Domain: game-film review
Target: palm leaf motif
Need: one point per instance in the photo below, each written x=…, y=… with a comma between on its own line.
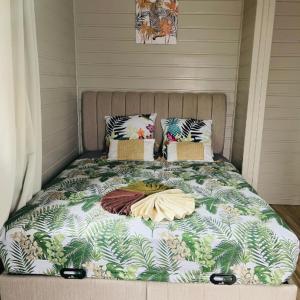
x=269, y=213
x=20, y=217
x=194, y=276
x=56, y=219
x=74, y=227
x=190, y=240
x=46, y=217
x=155, y=274
x=290, y=254
x=235, y=197
x=107, y=175
x=173, y=126
x=116, y=125
x=166, y=258
x=210, y=203
x=193, y=224
x=107, y=186
x=143, y=252
x=89, y=202
x=221, y=229
x=73, y=184
x=20, y=261
x=241, y=231
x=87, y=228
x=42, y=238
x=200, y=179
x=192, y=127
x=150, y=224
x=227, y=254
x=79, y=251
x=180, y=184
x=90, y=228
x=265, y=251
x=114, y=242
x=4, y=257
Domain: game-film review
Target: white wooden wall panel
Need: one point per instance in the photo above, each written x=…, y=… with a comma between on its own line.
x=279, y=174
x=205, y=58
x=56, y=47
x=243, y=82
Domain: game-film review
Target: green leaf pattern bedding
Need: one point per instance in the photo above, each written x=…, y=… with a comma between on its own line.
x=232, y=230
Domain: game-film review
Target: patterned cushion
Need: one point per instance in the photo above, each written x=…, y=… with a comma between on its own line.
x=187, y=130
x=131, y=150
x=130, y=127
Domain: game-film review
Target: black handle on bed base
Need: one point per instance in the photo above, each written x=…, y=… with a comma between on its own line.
x=70, y=273
x=227, y=279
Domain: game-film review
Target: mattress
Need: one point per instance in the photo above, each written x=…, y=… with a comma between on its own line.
x=232, y=231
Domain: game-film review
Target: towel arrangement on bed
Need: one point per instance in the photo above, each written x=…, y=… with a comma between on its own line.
x=149, y=201
x=169, y=204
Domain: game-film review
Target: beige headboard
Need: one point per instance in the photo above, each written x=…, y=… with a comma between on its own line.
x=96, y=105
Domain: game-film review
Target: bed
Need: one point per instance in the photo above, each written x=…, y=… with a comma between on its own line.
x=232, y=231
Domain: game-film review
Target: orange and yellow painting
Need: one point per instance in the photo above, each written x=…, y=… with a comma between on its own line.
x=156, y=21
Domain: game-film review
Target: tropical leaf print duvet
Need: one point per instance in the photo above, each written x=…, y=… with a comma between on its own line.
x=232, y=231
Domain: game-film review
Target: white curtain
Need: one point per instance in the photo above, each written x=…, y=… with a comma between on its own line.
x=20, y=107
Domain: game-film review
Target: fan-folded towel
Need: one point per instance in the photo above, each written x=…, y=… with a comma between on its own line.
x=120, y=201
x=167, y=205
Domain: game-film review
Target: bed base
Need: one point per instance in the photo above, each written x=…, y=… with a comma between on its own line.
x=16, y=287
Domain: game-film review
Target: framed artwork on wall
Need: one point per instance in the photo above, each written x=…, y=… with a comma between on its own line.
x=156, y=21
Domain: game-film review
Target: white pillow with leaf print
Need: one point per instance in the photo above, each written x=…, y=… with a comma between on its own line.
x=130, y=127
x=188, y=130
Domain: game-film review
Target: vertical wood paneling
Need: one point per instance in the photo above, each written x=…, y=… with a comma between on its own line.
x=279, y=173
x=147, y=103
x=175, y=105
x=189, y=109
x=204, y=107
x=118, y=106
x=243, y=82
x=133, y=104
x=56, y=49
x=205, y=58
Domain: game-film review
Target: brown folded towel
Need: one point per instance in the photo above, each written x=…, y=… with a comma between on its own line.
x=120, y=201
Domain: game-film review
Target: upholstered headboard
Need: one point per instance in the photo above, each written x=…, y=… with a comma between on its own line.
x=96, y=105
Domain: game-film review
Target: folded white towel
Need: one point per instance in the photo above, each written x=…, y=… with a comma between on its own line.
x=168, y=205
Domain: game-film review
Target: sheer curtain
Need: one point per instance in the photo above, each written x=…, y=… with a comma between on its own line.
x=20, y=107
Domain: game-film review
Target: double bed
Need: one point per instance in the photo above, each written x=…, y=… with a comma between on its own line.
x=232, y=231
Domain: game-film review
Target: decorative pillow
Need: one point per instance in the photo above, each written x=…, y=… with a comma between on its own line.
x=187, y=130
x=130, y=127
x=190, y=151
x=131, y=150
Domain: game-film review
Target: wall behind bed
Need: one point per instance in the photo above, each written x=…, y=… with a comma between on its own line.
x=56, y=47
x=204, y=59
